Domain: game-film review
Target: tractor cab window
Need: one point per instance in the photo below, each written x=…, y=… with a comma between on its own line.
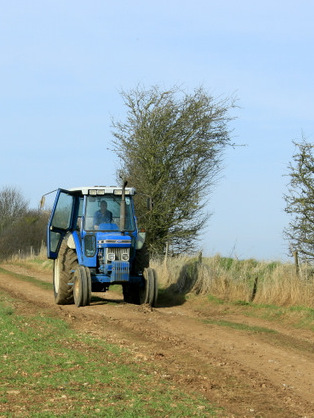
x=63, y=212
x=103, y=213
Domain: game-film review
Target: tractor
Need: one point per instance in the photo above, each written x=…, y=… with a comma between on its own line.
x=94, y=242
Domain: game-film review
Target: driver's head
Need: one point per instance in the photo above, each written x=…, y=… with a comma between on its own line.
x=103, y=205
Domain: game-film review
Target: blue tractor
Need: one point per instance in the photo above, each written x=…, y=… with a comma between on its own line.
x=93, y=238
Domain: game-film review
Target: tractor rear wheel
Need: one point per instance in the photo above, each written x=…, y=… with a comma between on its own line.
x=147, y=292
x=144, y=290
x=131, y=293
x=63, y=268
x=141, y=261
x=155, y=295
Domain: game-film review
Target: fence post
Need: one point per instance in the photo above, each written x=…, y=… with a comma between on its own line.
x=296, y=262
x=254, y=290
x=166, y=252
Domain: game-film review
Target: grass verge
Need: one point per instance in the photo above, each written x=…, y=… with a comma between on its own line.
x=49, y=370
x=240, y=326
x=231, y=280
x=30, y=279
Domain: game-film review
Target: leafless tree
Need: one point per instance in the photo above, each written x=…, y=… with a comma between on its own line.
x=12, y=206
x=21, y=228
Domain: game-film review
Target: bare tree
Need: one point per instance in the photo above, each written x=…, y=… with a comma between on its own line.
x=12, y=206
x=171, y=146
x=21, y=229
x=27, y=234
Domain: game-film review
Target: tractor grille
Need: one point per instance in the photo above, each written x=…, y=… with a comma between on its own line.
x=120, y=271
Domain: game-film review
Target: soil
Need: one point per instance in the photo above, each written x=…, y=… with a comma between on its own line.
x=245, y=371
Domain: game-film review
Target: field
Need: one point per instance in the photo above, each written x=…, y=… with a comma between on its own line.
x=228, y=338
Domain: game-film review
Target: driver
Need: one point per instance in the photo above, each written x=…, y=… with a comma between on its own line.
x=102, y=216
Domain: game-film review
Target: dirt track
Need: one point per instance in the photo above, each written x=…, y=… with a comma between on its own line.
x=249, y=374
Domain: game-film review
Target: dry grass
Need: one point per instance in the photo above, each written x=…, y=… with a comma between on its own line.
x=38, y=261
x=30, y=254
x=237, y=280
x=224, y=278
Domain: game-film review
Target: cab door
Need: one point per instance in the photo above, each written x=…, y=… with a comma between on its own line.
x=60, y=222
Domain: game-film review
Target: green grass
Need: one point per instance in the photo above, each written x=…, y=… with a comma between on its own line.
x=49, y=286
x=49, y=370
x=36, y=261
x=240, y=326
x=215, y=300
x=30, y=279
x=296, y=316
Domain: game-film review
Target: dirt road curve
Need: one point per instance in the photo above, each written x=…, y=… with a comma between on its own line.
x=249, y=374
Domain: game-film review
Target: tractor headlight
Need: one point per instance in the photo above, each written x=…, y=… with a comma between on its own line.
x=111, y=256
x=125, y=256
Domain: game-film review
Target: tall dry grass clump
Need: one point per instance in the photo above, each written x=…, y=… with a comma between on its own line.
x=30, y=254
x=237, y=280
x=39, y=260
x=286, y=288
x=168, y=271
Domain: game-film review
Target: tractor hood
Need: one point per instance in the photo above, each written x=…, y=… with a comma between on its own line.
x=105, y=239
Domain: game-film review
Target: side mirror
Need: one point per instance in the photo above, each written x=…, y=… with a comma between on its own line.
x=42, y=202
x=140, y=240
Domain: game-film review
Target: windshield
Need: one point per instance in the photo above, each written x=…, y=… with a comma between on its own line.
x=103, y=213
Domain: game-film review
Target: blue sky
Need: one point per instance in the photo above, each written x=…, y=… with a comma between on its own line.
x=63, y=64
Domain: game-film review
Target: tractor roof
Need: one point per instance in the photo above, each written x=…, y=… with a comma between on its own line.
x=102, y=190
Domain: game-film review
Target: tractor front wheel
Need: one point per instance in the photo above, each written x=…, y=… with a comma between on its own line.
x=82, y=286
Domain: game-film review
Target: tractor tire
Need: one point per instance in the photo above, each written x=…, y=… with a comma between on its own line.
x=89, y=286
x=155, y=297
x=81, y=286
x=131, y=294
x=144, y=291
x=63, y=268
x=149, y=279
x=147, y=293
x=152, y=282
x=140, y=262
x=136, y=294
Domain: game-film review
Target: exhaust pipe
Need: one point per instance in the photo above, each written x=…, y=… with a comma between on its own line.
x=122, y=208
